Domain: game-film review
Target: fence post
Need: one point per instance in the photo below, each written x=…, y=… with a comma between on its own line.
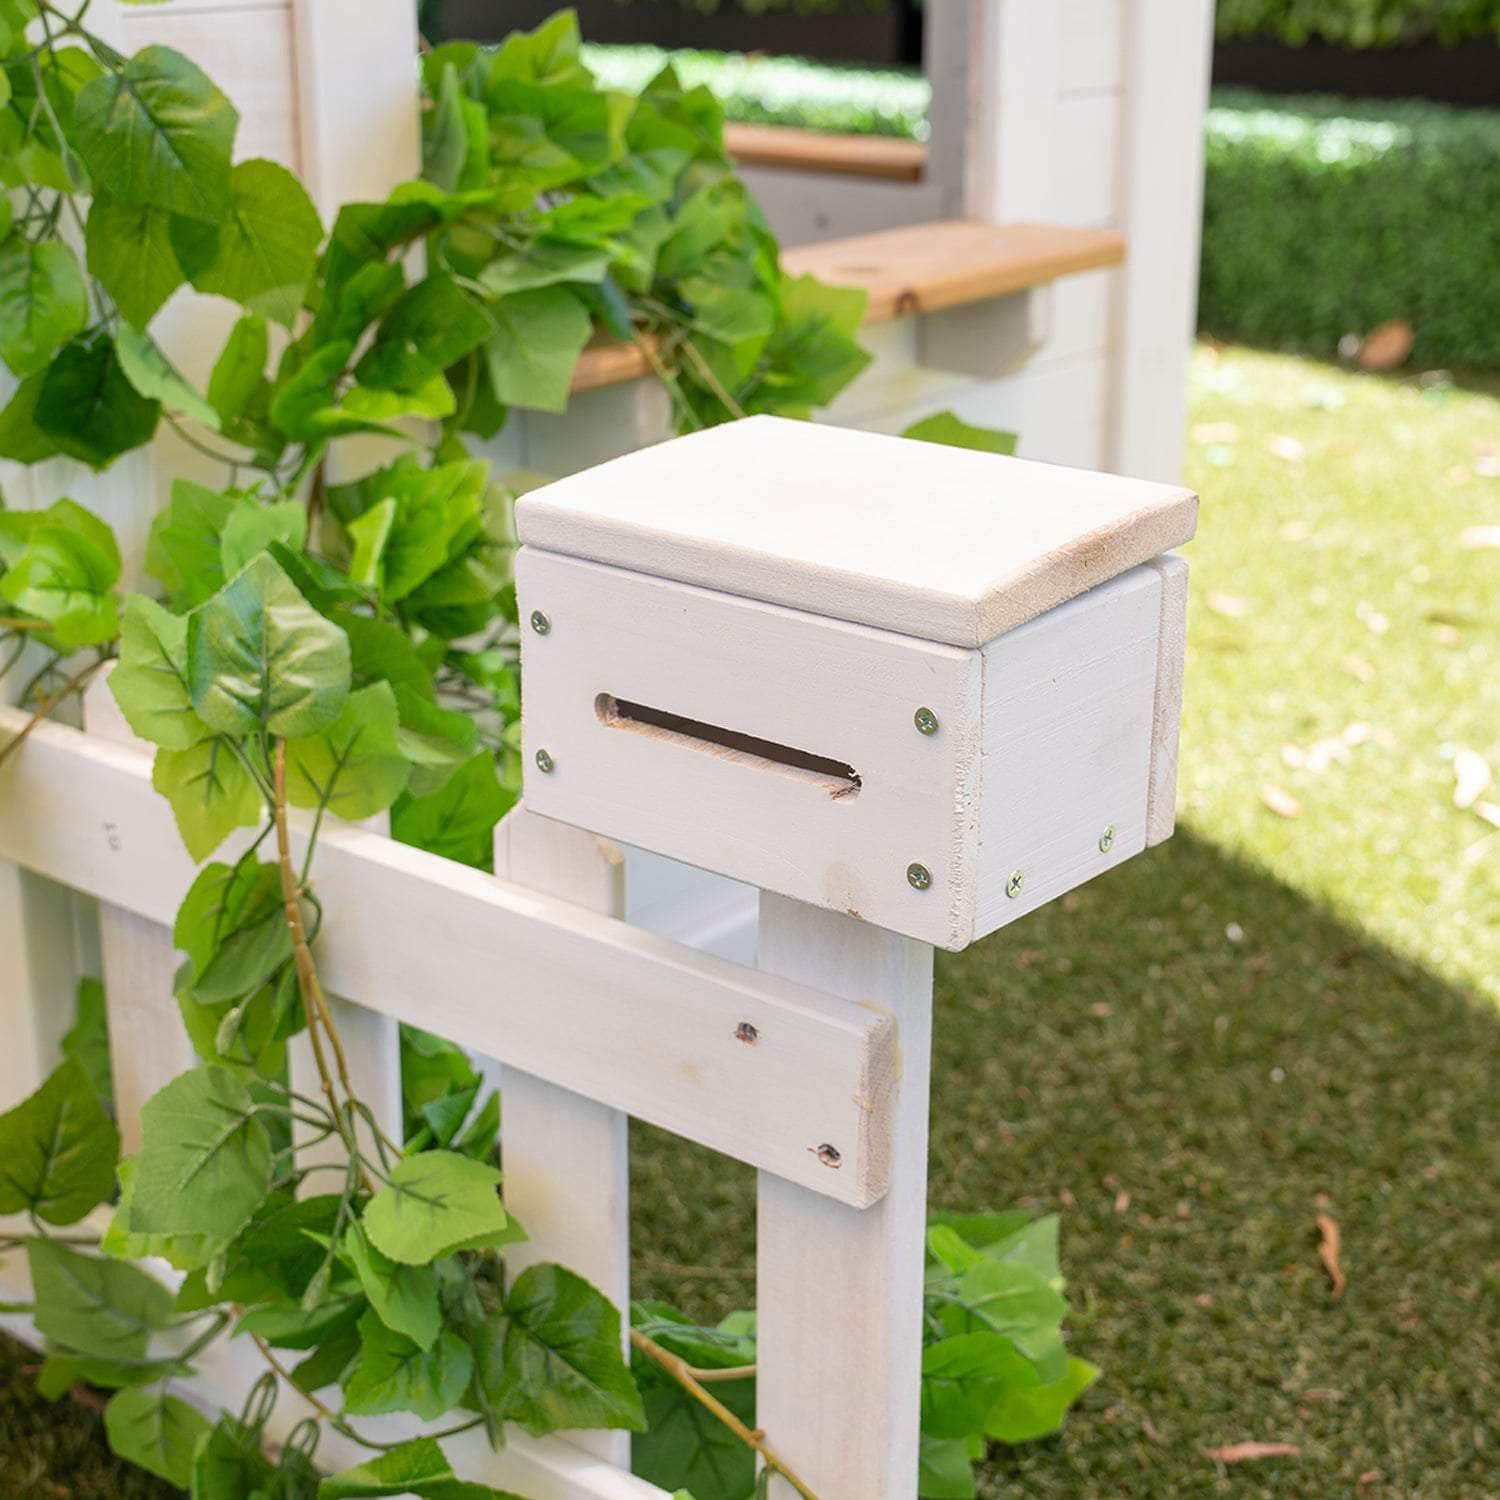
x=839, y=1289
x=566, y=1158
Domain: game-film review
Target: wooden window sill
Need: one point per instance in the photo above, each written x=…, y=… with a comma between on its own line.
x=920, y=269
x=797, y=150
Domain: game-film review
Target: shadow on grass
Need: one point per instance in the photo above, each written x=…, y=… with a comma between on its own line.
x=1190, y=1064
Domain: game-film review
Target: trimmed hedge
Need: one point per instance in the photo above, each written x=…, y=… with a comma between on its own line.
x=783, y=90
x=1324, y=217
x=1359, y=23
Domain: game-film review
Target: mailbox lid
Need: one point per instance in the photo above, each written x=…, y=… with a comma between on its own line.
x=945, y=544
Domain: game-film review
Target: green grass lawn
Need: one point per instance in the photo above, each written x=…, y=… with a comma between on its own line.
x=1268, y=1018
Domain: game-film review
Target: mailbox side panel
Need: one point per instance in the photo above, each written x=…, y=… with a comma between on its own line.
x=712, y=729
x=1070, y=703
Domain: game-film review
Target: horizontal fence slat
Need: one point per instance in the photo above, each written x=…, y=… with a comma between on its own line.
x=621, y=1016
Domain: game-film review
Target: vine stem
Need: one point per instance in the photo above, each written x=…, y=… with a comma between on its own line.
x=75, y=684
x=691, y=1381
x=314, y=1002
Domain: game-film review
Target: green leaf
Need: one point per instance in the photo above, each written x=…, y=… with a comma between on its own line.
x=964, y=1376
x=436, y=741
x=20, y=437
x=434, y=1203
x=261, y=251
x=382, y=652
x=553, y=1360
x=684, y=1445
x=240, y=370
x=949, y=429
x=221, y=901
x=88, y=407
x=354, y=767
x=58, y=1149
x=122, y=1241
x=94, y=1306
x=415, y=1468
x=251, y=528
x=250, y=954
x=42, y=302
x=159, y=132
x=431, y=327
x=87, y=1043
x=150, y=680
x=151, y=374
x=1018, y=1416
x=229, y=1465
x=205, y=1159
x=65, y=573
x=458, y=821
x=545, y=263
x=182, y=551
x=396, y=1374
x=404, y=1297
x=539, y=336
x=261, y=657
x=290, y=1326
x=211, y=793
x=130, y=253
x=156, y=1431
x=945, y=1471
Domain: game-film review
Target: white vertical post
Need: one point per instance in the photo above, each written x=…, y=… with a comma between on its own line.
x=1015, y=71
x=358, y=136
x=566, y=1158
x=1168, y=57
x=147, y=1045
x=839, y=1290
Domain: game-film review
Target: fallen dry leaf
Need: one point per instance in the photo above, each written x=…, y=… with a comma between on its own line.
x=1238, y=1453
x=1229, y=605
x=1287, y=448
x=1358, y=668
x=1122, y=1201
x=1471, y=777
x=1329, y=1244
x=1385, y=347
x=1282, y=803
x=1475, y=537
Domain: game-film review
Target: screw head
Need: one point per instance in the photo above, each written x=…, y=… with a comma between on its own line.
x=1015, y=884
x=919, y=877
x=540, y=623
x=544, y=762
x=925, y=720
x=830, y=1156
x=1107, y=839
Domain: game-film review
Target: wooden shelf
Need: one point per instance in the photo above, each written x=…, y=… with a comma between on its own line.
x=923, y=268
x=819, y=151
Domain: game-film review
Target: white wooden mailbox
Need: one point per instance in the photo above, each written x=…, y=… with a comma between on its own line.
x=928, y=687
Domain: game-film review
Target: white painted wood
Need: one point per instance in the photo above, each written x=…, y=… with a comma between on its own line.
x=1093, y=45
x=709, y=912
x=599, y=425
x=1166, y=718
x=567, y=1158
x=1161, y=196
x=1068, y=708
x=1016, y=69
x=148, y=1047
x=835, y=690
x=623, y=1016
x=1086, y=149
x=839, y=1291
x=986, y=339
x=821, y=519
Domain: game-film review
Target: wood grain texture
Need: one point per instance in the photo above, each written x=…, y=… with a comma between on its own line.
x=1068, y=708
x=840, y=691
x=798, y=150
x=927, y=267
x=1166, y=718
x=622, y=1016
x=941, y=543
x=839, y=1291
x=567, y=1158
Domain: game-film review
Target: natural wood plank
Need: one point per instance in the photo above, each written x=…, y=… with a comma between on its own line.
x=931, y=266
x=839, y=1292
x=796, y=150
x=822, y=519
x=923, y=268
x=625, y=1017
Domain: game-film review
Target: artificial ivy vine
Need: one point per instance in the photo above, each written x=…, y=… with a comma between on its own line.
x=345, y=644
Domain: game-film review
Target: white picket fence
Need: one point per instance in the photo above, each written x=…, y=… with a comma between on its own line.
x=597, y=981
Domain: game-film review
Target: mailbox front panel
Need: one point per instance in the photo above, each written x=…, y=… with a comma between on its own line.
x=826, y=761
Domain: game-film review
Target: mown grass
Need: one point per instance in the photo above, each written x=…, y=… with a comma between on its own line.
x=1265, y=1019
